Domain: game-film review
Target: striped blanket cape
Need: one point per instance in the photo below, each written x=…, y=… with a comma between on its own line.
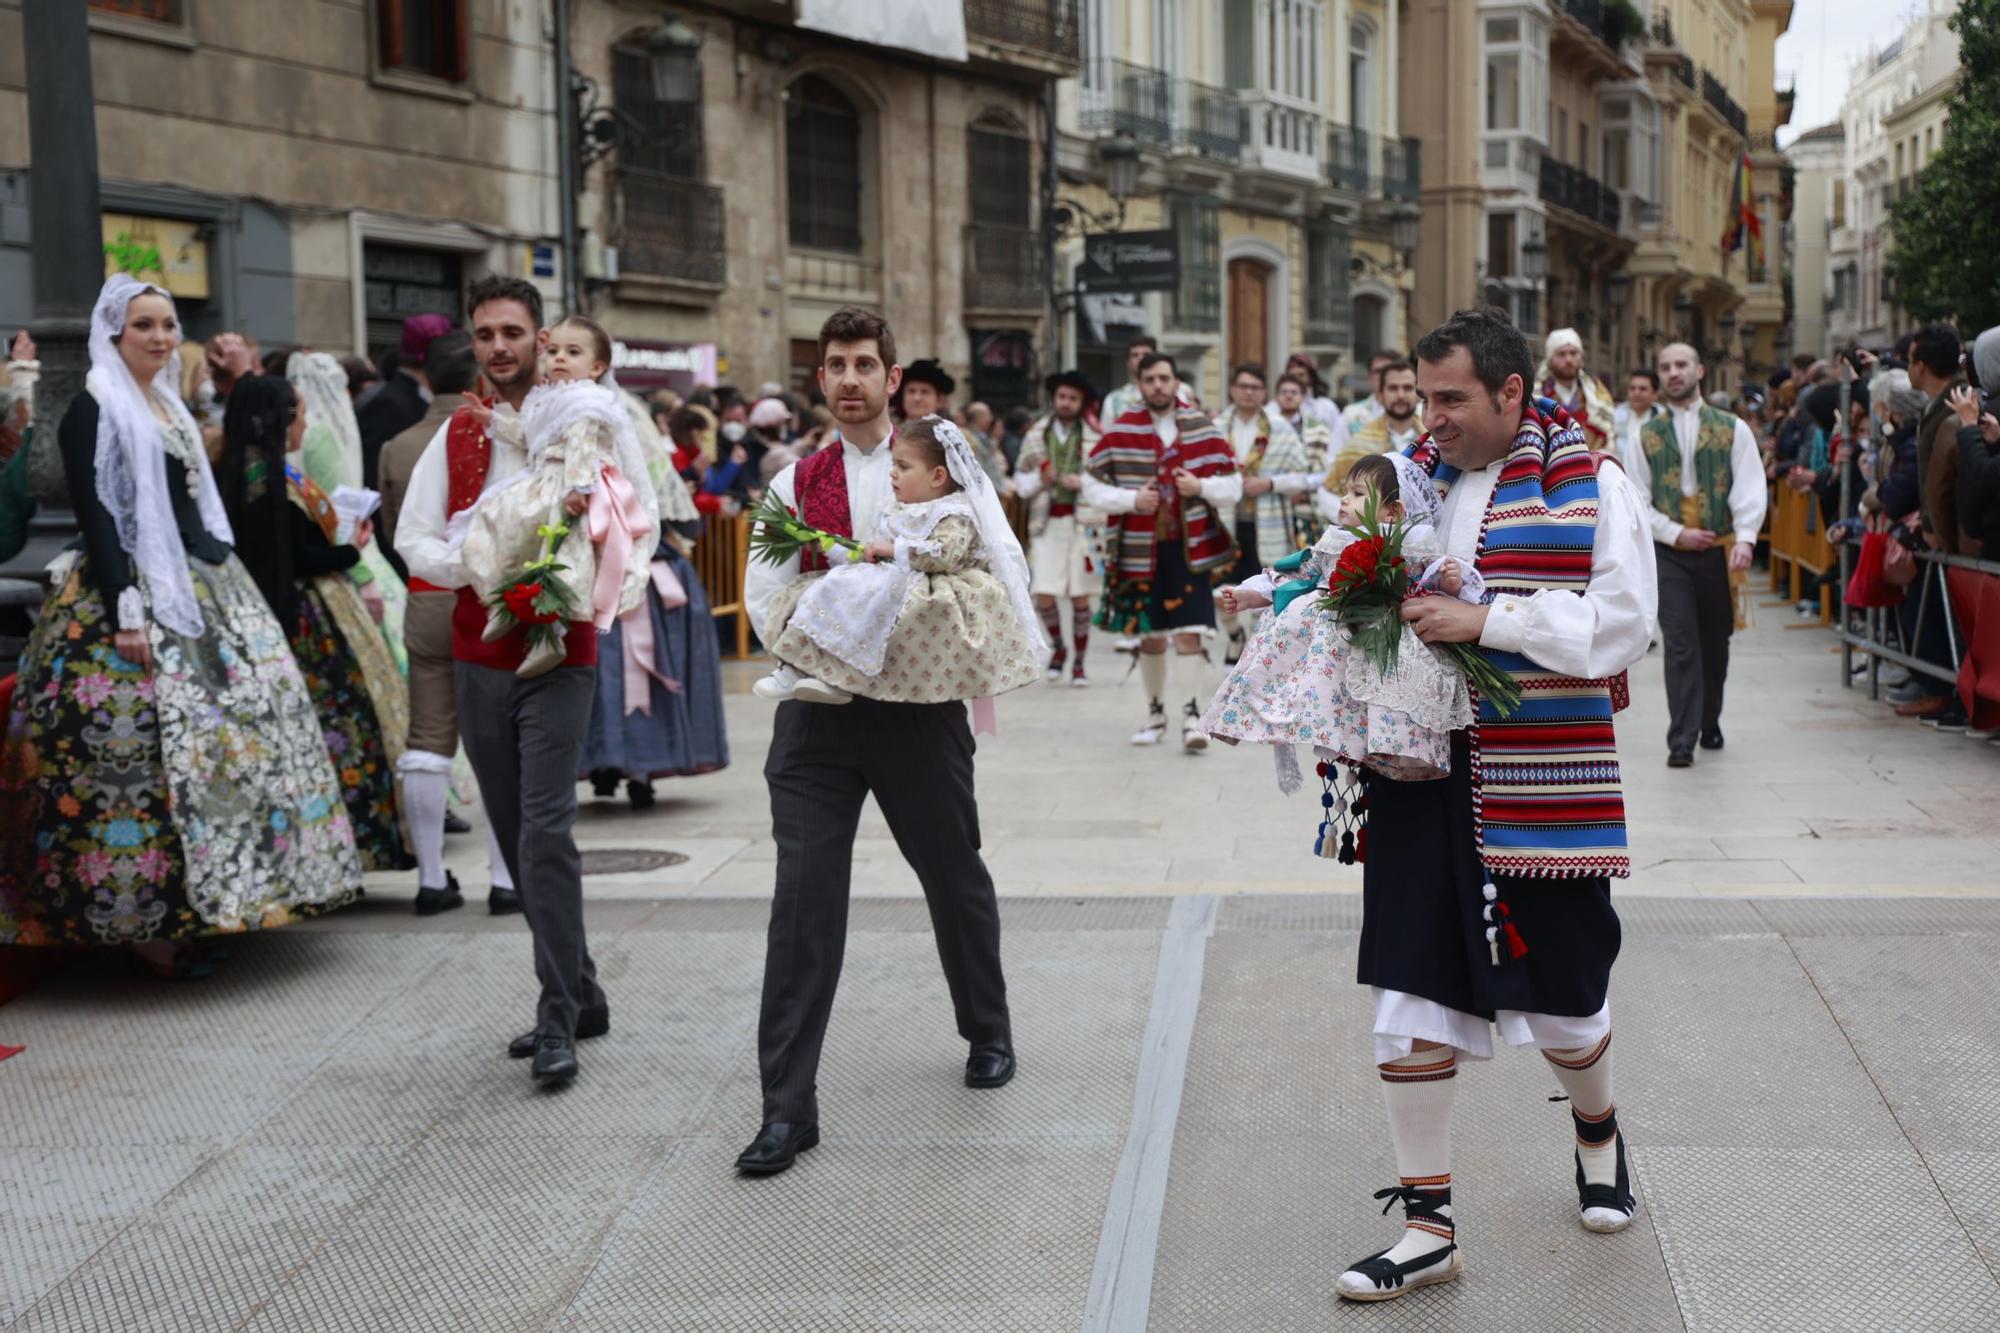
x=1546, y=793
x=1129, y=455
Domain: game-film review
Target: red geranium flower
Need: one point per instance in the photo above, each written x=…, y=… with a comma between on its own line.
x=520, y=601
x=1357, y=564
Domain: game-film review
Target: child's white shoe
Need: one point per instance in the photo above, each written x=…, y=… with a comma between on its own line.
x=542, y=658
x=498, y=625
x=778, y=686
x=813, y=690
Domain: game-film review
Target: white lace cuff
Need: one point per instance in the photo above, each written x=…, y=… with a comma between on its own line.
x=131, y=608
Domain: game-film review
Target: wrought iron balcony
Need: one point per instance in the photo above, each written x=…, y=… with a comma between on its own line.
x=1119, y=97
x=1402, y=169
x=671, y=228
x=1212, y=121
x=1713, y=93
x=1003, y=268
x=1684, y=70
x=1347, y=161
x=1566, y=187
x=1045, y=26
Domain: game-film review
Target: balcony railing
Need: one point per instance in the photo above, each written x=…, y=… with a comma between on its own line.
x=1212, y=121
x=671, y=228
x=1566, y=187
x=1285, y=137
x=830, y=275
x=1347, y=163
x=1713, y=93
x=1684, y=71
x=1048, y=26
x=1119, y=97
x=1612, y=26
x=1646, y=215
x=1003, y=268
x=1402, y=169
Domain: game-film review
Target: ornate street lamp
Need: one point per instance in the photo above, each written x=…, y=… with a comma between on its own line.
x=673, y=51
x=1617, y=291
x=1119, y=155
x=1534, y=259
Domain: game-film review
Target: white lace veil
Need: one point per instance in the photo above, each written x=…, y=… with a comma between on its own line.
x=132, y=463
x=996, y=534
x=553, y=407
x=1416, y=490
x=676, y=505
x=322, y=386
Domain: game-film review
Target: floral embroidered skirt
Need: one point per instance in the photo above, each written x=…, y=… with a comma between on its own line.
x=336, y=646
x=194, y=799
x=1292, y=687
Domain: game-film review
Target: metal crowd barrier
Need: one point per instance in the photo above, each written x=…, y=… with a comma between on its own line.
x=1958, y=590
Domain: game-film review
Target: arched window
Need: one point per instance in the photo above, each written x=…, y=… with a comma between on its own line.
x=670, y=144
x=999, y=159
x=823, y=166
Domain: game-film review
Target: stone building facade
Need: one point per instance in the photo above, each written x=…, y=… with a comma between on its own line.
x=311, y=171
x=811, y=171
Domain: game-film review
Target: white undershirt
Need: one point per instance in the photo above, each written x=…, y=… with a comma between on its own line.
x=1747, y=487
x=1166, y=427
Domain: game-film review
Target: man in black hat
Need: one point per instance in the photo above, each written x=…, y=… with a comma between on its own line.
x=926, y=389
x=1065, y=555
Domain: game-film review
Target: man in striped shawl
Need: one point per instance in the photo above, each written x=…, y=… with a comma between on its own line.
x=1166, y=477
x=1486, y=896
x=1275, y=471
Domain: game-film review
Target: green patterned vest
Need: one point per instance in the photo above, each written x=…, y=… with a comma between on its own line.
x=1713, y=440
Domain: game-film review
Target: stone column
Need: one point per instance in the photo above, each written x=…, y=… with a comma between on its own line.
x=66, y=232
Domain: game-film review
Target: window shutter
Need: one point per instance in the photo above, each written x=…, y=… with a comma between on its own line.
x=458, y=45
x=389, y=32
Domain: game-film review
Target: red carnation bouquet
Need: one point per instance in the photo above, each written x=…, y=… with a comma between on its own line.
x=1365, y=593
x=534, y=599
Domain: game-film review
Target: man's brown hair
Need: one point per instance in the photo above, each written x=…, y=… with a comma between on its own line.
x=852, y=324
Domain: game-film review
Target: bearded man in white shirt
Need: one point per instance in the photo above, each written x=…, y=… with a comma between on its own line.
x=1701, y=467
x=916, y=760
x=1486, y=895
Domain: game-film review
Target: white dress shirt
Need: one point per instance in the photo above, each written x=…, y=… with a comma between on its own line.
x=868, y=494
x=1747, y=493
x=422, y=528
x=1589, y=636
x=1243, y=439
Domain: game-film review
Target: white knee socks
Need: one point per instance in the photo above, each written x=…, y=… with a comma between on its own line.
x=1418, y=1091
x=1153, y=675
x=424, y=796
x=1585, y=1075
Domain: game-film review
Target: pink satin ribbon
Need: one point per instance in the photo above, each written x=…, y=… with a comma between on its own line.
x=985, y=720
x=641, y=664
x=616, y=519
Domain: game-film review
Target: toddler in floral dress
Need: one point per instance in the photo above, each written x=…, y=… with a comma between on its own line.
x=585, y=473
x=1300, y=680
x=937, y=607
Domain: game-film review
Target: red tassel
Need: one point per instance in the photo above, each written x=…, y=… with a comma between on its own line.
x=1516, y=946
x=1361, y=844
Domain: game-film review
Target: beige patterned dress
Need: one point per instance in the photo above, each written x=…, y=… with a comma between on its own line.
x=951, y=635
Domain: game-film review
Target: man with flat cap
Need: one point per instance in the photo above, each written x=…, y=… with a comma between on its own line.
x=926, y=389
x=1065, y=555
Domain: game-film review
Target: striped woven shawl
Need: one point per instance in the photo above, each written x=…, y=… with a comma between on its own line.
x=1546, y=797
x=1130, y=455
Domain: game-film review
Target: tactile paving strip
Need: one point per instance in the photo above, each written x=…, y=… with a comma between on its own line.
x=1282, y=1140
x=1809, y=1240
x=1800, y=917
x=1920, y=1010
x=905, y=914
x=857, y=1236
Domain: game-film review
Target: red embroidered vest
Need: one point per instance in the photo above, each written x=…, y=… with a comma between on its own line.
x=468, y=455
x=819, y=489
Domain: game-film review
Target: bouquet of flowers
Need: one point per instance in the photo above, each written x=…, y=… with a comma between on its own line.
x=777, y=534
x=1365, y=593
x=532, y=598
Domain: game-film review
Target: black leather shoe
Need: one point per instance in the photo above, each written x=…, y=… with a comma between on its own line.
x=432, y=901
x=453, y=823
x=639, y=792
x=989, y=1067
x=1680, y=759
x=590, y=1023
x=1712, y=739
x=502, y=902
x=775, y=1148
x=604, y=782
x=555, y=1060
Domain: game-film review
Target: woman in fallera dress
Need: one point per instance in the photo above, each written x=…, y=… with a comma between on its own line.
x=285, y=529
x=163, y=774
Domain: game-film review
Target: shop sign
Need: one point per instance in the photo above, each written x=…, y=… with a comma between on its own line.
x=163, y=250
x=641, y=365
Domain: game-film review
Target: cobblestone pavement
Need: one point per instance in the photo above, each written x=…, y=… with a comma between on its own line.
x=327, y=1135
